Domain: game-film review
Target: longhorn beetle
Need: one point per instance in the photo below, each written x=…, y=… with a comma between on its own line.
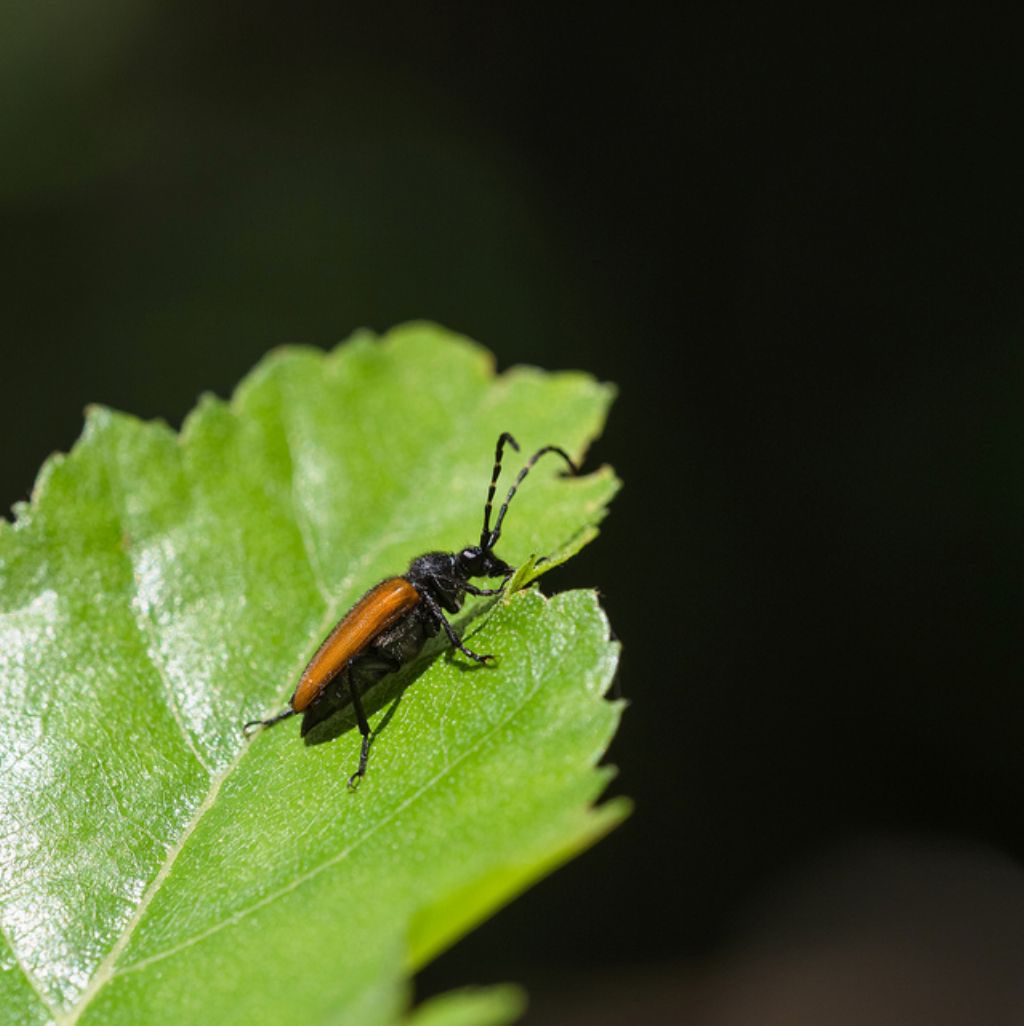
x=391, y=623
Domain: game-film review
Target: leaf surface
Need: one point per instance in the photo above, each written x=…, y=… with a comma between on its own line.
x=160, y=590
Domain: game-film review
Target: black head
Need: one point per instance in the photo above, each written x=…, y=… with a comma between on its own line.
x=478, y=562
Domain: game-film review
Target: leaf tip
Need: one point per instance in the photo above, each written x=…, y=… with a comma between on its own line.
x=495, y=1005
x=427, y=333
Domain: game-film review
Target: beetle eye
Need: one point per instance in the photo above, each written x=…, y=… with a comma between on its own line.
x=468, y=554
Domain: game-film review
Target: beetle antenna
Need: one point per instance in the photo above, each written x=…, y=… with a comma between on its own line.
x=491, y=540
x=499, y=449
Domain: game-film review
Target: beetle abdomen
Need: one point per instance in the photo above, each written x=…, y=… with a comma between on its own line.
x=374, y=613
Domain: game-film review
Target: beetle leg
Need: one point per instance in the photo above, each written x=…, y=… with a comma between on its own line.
x=364, y=729
x=473, y=590
x=268, y=723
x=438, y=615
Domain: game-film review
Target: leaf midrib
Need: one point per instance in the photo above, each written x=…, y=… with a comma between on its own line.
x=29, y=977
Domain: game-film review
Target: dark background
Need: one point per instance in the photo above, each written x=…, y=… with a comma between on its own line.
x=796, y=242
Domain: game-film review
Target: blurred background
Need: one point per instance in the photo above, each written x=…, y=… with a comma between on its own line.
x=795, y=239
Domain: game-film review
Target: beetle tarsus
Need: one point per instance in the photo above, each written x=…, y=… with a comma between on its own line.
x=364, y=755
x=475, y=656
x=473, y=590
x=364, y=730
x=283, y=715
x=457, y=643
x=453, y=636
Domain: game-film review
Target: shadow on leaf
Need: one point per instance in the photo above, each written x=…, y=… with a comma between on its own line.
x=332, y=715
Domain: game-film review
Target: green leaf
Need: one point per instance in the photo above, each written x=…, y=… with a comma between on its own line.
x=161, y=590
x=472, y=1006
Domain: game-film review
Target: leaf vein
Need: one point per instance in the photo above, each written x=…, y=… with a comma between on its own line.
x=30, y=978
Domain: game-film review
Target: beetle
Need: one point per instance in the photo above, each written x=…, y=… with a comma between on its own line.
x=390, y=624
